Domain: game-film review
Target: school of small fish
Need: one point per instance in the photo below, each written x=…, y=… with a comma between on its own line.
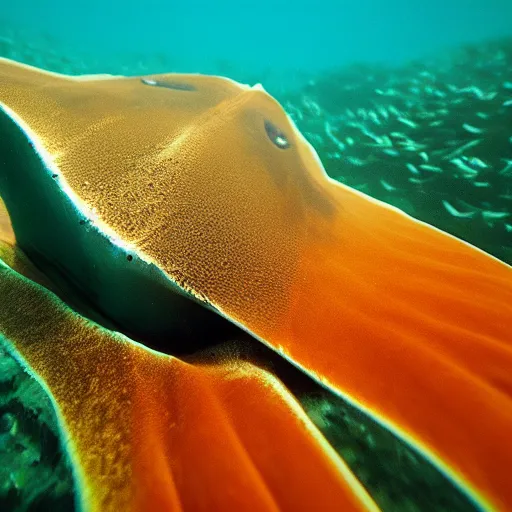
x=434, y=139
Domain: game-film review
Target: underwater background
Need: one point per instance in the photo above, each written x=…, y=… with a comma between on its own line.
x=407, y=101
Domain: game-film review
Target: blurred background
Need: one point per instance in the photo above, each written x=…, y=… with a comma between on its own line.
x=264, y=37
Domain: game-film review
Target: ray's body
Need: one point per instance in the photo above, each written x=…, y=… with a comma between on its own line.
x=200, y=188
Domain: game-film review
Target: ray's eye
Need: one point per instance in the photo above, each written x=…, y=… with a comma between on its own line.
x=276, y=136
x=168, y=84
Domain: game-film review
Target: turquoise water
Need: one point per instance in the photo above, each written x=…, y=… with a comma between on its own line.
x=299, y=37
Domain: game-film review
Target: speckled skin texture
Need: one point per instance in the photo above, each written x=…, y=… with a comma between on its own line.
x=168, y=173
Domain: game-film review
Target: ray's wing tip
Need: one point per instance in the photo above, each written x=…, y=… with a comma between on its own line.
x=12, y=64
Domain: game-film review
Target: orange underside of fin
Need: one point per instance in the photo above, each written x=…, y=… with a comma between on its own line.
x=232, y=440
x=150, y=432
x=414, y=326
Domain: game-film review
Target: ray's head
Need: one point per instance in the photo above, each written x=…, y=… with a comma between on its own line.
x=239, y=181
x=205, y=178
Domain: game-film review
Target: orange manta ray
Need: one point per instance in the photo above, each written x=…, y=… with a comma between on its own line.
x=174, y=202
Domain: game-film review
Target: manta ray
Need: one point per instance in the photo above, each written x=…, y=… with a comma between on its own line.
x=147, y=220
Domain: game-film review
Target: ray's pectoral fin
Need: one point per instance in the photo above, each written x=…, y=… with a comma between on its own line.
x=412, y=326
x=6, y=231
x=147, y=431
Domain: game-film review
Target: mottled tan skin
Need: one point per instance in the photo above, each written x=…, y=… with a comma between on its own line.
x=166, y=171
x=411, y=324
